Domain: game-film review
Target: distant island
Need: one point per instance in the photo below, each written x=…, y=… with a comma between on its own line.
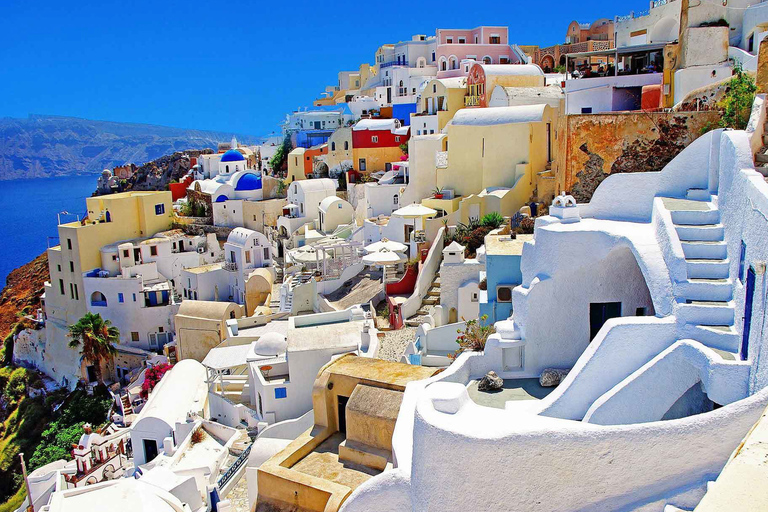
x=45, y=146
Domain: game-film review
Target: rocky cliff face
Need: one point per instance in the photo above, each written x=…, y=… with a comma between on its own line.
x=44, y=146
x=22, y=292
x=157, y=174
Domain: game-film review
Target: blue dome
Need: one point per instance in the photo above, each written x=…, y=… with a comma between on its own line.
x=222, y=198
x=232, y=156
x=248, y=181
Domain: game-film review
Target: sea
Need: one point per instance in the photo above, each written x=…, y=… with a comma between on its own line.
x=31, y=215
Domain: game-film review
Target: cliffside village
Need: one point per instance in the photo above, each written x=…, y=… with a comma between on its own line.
x=471, y=276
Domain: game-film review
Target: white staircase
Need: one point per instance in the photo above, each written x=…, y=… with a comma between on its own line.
x=705, y=307
x=286, y=294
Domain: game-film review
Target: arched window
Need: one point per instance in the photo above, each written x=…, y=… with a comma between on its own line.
x=454, y=62
x=333, y=146
x=98, y=300
x=487, y=59
x=227, y=168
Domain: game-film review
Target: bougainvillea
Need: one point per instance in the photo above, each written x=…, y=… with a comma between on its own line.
x=152, y=376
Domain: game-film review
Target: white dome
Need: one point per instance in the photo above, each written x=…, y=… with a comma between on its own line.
x=270, y=344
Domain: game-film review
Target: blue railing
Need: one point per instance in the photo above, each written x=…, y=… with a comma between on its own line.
x=414, y=359
x=227, y=476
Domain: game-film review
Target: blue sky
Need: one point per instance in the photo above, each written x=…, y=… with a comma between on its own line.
x=230, y=66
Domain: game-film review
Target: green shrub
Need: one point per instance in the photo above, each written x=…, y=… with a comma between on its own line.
x=492, y=220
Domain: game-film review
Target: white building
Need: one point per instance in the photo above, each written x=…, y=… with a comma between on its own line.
x=280, y=369
x=247, y=260
x=169, y=414
x=138, y=285
x=304, y=198
x=649, y=295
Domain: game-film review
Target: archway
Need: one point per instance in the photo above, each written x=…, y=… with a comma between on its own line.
x=98, y=299
x=547, y=63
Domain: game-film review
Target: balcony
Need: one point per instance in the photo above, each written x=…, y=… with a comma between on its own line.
x=471, y=101
x=230, y=266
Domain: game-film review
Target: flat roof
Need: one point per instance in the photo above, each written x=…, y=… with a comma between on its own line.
x=203, y=268
x=377, y=370
x=505, y=245
x=340, y=334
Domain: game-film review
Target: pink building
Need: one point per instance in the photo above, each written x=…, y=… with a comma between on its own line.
x=489, y=45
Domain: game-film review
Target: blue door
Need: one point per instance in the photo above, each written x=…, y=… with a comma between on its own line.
x=747, y=313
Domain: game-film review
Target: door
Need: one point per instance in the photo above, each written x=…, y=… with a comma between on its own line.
x=362, y=164
x=342, y=410
x=181, y=245
x=137, y=255
x=91, y=371
x=601, y=312
x=317, y=125
x=549, y=142
x=389, y=95
x=150, y=449
x=748, y=299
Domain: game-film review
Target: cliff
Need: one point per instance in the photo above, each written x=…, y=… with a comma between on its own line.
x=22, y=292
x=45, y=146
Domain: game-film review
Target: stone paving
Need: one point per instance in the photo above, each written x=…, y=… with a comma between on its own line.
x=238, y=496
x=394, y=342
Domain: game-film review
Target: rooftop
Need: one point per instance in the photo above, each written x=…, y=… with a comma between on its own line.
x=499, y=115
x=377, y=370
x=513, y=390
x=202, y=269
x=340, y=334
x=504, y=245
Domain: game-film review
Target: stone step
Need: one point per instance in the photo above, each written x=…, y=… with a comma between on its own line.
x=713, y=250
x=698, y=194
x=434, y=292
x=431, y=301
x=706, y=313
x=705, y=289
x=699, y=232
x=707, y=268
x=422, y=312
x=722, y=337
x=696, y=217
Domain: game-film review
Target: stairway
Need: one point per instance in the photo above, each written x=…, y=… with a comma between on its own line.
x=432, y=298
x=126, y=405
x=286, y=302
x=705, y=307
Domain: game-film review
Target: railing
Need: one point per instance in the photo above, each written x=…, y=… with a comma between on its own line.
x=232, y=470
x=471, y=101
x=230, y=266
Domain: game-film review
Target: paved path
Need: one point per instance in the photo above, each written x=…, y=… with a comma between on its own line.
x=238, y=496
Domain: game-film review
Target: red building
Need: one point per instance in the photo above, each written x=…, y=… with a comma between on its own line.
x=376, y=143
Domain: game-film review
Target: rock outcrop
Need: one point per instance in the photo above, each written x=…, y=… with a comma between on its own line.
x=490, y=382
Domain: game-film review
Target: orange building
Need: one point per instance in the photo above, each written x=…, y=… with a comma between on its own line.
x=580, y=37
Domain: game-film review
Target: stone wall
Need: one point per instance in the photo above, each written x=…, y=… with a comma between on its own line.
x=596, y=145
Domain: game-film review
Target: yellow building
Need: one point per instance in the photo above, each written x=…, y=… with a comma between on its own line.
x=110, y=219
x=355, y=402
x=440, y=100
x=201, y=325
x=493, y=158
x=339, y=156
x=296, y=165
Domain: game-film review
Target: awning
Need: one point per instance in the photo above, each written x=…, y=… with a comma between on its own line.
x=624, y=50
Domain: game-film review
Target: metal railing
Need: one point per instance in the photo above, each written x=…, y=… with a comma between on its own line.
x=232, y=470
x=471, y=101
x=230, y=266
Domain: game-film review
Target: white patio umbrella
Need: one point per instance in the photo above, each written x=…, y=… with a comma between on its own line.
x=308, y=254
x=387, y=244
x=384, y=257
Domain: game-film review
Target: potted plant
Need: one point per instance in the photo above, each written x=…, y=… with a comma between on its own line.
x=438, y=193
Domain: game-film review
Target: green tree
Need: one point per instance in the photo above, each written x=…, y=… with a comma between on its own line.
x=95, y=336
x=280, y=158
x=737, y=103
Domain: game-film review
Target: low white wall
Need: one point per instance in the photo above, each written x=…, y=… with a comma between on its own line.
x=425, y=278
x=690, y=169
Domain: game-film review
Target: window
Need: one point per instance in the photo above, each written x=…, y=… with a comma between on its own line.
x=375, y=139
x=153, y=250
x=474, y=297
x=247, y=256
x=433, y=56
x=185, y=293
x=134, y=336
x=449, y=40
x=397, y=138
x=504, y=60
x=504, y=294
x=346, y=145
x=333, y=146
x=61, y=286
x=494, y=39
x=395, y=199
x=58, y=267
x=71, y=291
x=266, y=253
x=71, y=266
x=69, y=244
x=98, y=299
x=434, y=88
x=742, y=262
x=159, y=209
x=77, y=295
x=586, y=110
x=281, y=393
x=462, y=40
x=126, y=253
x=134, y=297
x=120, y=298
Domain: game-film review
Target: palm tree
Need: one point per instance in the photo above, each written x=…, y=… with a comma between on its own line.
x=96, y=336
